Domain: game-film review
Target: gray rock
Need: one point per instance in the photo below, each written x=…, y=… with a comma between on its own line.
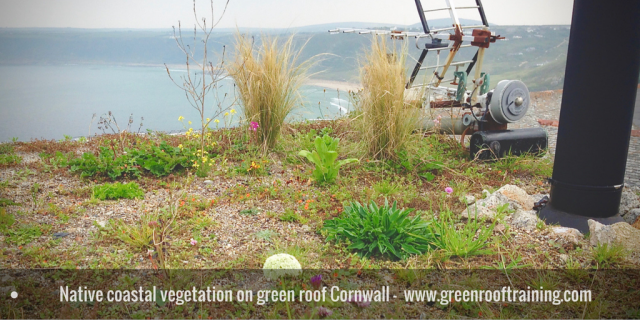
x=632, y=216
x=628, y=202
x=515, y=197
x=7, y=278
x=619, y=233
x=569, y=235
x=525, y=220
x=468, y=199
x=599, y=233
x=59, y=235
x=207, y=182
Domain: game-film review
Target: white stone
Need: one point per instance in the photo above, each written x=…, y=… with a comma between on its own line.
x=619, y=233
x=525, y=219
x=517, y=196
x=101, y=223
x=569, y=235
x=468, y=199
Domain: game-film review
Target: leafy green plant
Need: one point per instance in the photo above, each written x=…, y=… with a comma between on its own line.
x=7, y=155
x=25, y=234
x=159, y=160
x=290, y=216
x=6, y=220
x=324, y=157
x=462, y=242
x=55, y=161
x=106, y=163
x=114, y=191
x=386, y=230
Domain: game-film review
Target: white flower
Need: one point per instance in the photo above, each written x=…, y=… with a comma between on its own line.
x=281, y=264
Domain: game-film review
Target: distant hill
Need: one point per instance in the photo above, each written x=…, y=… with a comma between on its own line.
x=534, y=54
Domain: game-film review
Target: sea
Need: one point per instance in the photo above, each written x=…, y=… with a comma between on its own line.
x=66, y=101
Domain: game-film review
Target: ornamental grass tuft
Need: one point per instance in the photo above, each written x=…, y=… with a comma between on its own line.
x=387, y=120
x=267, y=80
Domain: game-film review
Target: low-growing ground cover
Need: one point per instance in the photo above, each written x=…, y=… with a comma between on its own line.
x=246, y=205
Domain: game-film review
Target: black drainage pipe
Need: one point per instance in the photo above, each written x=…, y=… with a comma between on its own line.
x=601, y=77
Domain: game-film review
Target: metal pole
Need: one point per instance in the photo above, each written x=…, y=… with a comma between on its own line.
x=596, y=113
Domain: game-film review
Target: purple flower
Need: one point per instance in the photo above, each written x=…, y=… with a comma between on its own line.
x=360, y=301
x=254, y=125
x=193, y=242
x=448, y=190
x=316, y=281
x=323, y=312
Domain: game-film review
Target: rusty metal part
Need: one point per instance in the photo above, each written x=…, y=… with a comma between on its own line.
x=445, y=104
x=490, y=124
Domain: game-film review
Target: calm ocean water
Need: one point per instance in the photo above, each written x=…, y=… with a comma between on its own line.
x=53, y=101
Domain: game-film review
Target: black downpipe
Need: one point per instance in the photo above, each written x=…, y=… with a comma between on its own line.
x=473, y=62
x=425, y=25
x=596, y=113
x=482, y=16
x=416, y=69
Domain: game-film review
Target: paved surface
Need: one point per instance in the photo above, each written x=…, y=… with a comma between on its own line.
x=636, y=114
x=546, y=105
x=632, y=175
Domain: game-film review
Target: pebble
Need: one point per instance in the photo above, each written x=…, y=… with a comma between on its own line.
x=59, y=235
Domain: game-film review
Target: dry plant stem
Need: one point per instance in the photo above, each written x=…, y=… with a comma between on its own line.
x=196, y=87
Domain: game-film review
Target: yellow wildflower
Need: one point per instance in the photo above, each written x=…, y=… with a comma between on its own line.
x=233, y=111
x=189, y=122
x=180, y=118
x=208, y=119
x=216, y=121
x=188, y=133
x=180, y=146
x=226, y=113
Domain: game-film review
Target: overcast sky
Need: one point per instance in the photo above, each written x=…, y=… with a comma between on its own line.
x=263, y=13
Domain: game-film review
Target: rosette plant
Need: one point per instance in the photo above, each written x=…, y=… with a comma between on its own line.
x=380, y=230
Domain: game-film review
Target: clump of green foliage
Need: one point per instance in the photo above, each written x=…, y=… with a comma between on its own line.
x=8, y=156
x=25, y=234
x=466, y=241
x=6, y=220
x=115, y=191
x=159, y=160
x=385, y=230
x=324, y=157
x=607, y=255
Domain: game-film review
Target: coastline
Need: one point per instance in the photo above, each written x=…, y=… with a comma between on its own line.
x=335, y=85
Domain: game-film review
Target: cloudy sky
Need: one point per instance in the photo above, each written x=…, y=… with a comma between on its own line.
x=263, y=13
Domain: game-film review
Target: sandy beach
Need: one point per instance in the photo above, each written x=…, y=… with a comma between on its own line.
x=336, y=85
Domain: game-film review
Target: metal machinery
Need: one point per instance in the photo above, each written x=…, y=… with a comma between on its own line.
x=472, y=108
